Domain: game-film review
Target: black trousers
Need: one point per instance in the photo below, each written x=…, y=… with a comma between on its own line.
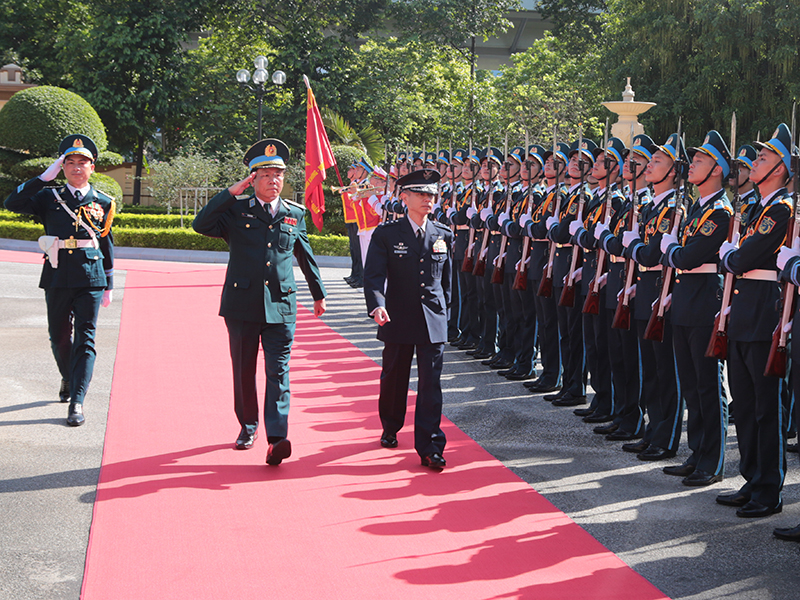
x=521, y=323
x=702, y=384
x=395, y=372
x=454, y=320
x=488, y=311
x=626, y=369
x=660, y=392
x=73, y=311
x=760, y=406
x=595, y=339
x=357, y=264
x=547, y=325
x=573, y=356
x=470, y=319
x=276, y=340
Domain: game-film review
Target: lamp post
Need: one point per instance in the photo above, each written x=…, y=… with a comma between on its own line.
x=260, y=76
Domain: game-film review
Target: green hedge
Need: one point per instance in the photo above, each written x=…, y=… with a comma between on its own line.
x=173, y=238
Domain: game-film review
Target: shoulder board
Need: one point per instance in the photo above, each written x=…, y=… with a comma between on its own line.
x=390, y=223
x=783, y=199
x=440, y=225
x=295, y=204
x=101, y=196
x=722, y=203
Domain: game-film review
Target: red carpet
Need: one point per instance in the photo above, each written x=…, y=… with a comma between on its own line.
x=181, y=515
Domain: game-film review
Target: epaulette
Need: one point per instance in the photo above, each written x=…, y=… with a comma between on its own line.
x=102, y=196
x=440, y=225
x=295, y=204
x=721, y=203
x=388, y=223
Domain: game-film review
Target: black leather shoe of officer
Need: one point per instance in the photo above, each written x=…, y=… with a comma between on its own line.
x=570, y=400
x=278, y=451
x=622, y=436
x=596, y=418
x=63, y=391
x=473, y=350
x=606, y=429
x=490, y=362
x=737, y=498
x=637, y=447
x=388, y=440
x=653, y=453
x=499, y=363
x=540, y=387
x=434, y=461
x=791, y=534
x=75, y=416
x=245, y=440
x=756, y=510
x=557, y=396
x=483, y=355
x=521, y=375
x=583, y=412
x=701, y=478
x=682, y=470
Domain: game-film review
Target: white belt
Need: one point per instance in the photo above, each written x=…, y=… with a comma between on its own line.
x=656, y=268
x=616, y=259
x=71, y=244
x=535, y=241
x=462, y=227
x=706, y=268
x=760, y=275
x=563, y=245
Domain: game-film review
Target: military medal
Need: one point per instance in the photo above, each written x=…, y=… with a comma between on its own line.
x=439, y=247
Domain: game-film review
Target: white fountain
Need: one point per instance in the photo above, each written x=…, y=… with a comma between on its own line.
x=628, y=110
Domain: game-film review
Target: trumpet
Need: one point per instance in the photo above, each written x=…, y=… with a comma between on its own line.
x=349, y=189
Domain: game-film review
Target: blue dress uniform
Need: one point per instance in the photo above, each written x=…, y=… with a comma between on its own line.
x=85, y=266
x=695, y=301
x=259, y=296
x=470, y=322
x=415, y=274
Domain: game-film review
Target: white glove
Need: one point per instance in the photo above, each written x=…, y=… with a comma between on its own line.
x=53, y=170
x=106, y=299
x=667, y=302
x=729, y=246
x=727, y=310
x=503, y=217
x=485, y=213
x=599, y=229
x=524, y=220
x=788, y=327
x=471, y=247
x=574, y=226
x=450, y=212
x=787, y=253
x=551, y=221
x=603, y=280
x=484, y=253
x=471, y=212
x=576, y=275
x=499, y=258
x=632, y=291
x=628, y=237
x=667, y=240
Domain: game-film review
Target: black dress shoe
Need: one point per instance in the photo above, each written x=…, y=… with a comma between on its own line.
x=541, y=388
x=789, y=447
x=683, y=470
x=557, y=396
x=483, y=355
x=63, y=391
x=75, y=415
x=502, y=364
x=583, y=412
x=507, y=372
x=606, y=429
x=791, y=534
x=738, y=498
x=701, y=478
x=434, y=461
x=622, y=436
x=473, y=350
x=278, y=451
x=570, y=400
x=458, y=341
x=653, y=453
x=636, y=447
x=595, y=418
x=349, y=280
x=756, y=510
x=521, y=375
x=488, y=362
x=389, y=440
x=469, y=346
x=245, y=440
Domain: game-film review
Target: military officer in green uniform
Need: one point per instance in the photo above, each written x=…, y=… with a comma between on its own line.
x=77, y=275
x=263, y=232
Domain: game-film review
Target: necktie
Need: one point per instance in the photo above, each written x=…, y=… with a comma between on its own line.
x=77, y=196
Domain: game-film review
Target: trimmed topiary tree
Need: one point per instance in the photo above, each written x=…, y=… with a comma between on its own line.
x=35, y=120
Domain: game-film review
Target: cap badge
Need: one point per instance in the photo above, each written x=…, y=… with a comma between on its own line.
x=742, y=152
x=637, y=142
x=78, y=143
x=427, y=174
x=705, y=141
x=270, y=150
x=584, y=146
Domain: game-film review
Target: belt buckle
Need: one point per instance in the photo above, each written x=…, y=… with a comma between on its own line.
x=71, y=244
x=642, y=268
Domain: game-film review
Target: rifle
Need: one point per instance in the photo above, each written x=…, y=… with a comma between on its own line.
x=480, y=263
x=622, y=314
x=521, y=278
x=468, y=263
x=592, y=304
x=718, y=344
x=499, y=272
x=452, y=198
x=777, y=359
x=655, y=325
x=546, y=284
x=568, y=291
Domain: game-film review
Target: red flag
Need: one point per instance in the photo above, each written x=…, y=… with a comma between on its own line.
x=319, y=157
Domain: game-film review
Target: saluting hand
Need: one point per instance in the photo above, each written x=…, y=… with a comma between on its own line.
x=240, y=187
x=53, y=170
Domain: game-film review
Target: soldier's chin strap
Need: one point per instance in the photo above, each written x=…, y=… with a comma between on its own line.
x=664, y=178
x=771, y=171
x=708, y=175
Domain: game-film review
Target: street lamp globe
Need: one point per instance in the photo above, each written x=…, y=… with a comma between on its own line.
x=260, y=62
x=279, y=78
x=242, y=75
x=260, y=76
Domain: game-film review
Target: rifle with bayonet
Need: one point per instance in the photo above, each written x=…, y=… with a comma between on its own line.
x=718, y=344
x=521, y=277
x=568, y=291
x=480, y=262
x=622, y=314
x=591, y=305
x=546, y=284
x=777, y=358
x=469, y=263
x=499, y=272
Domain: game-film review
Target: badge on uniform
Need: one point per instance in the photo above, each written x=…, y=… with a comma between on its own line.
x=400, y=248
x=573, y=209
x=663, y=226
x=247, y=215
x=252, y=202
x=439, y=247
x=290, y=221
x=708, y=228
x=766, y=226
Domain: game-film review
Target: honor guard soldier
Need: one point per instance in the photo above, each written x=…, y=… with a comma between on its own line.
x=695, y=300
x=263, y=232
x=660, y=392
x=606, y=201
x=407, y=291
x=545, y=204
x=760, y=401
x=368, y=208
x=351, y=224
x=78, y=273
x=573, y=390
